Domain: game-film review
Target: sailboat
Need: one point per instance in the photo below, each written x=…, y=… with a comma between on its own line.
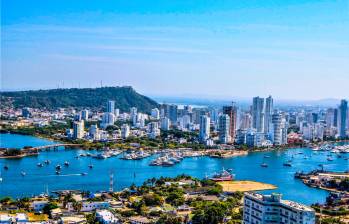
x=90, y=165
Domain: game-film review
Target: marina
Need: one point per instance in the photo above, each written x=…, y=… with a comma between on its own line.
x=89, y=173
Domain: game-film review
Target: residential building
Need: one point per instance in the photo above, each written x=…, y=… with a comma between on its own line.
x=204, y=134
x=266, y=209
x=231, y=111
x=155, y=113
x=269, y=104
x=165, y=123
x=258, y=114
x=125, y=131
x=106, y=217
x=84, y=115
x=111, y=106
x=153, y=130
x=78, y=129
x=107, y=120
x=224, y=128
x=342, y=121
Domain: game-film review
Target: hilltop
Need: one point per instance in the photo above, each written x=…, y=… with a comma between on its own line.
x=125, y=97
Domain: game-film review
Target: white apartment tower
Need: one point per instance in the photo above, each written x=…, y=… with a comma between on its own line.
x=204, y=128
x=266, y=209
x=224, y=128
x=78, y=129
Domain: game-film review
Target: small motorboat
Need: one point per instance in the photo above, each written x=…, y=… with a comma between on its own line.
x=329, y=159
x=58, y=167
x=266, y=156
x=23, y=173
x=90, y=166
x=66, y=163
x=288, y=164
x=58, y=172
x=6, y=167
x=264, y=165
x=83, y=174
x=40, y=165
x=47, y=162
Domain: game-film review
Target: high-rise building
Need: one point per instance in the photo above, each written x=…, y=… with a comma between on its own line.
x=107, y=119
x=204, y=134
x=265, y=209
x=155, y=113
x=153, y=130
x=78, y=129
x=165, y=123
x=246, y=121
x=94, y=132
x=342, y=121
x=258, y=114
x=111, y=106
x=277, y=128
x=133, y=116
x=224, y=128
x=117, y=113
x=329, y=117
x=84, y=115
x=269, y=104
x=231, y=111
x=172, y=114
x=125, y=131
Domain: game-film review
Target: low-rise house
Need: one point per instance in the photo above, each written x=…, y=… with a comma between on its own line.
x=21, y=218
x=106, y=217
x=39, y=205
x=56, y=213
x=87, y=206
x=5, y=218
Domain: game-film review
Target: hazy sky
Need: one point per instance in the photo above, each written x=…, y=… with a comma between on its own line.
x=292, y=49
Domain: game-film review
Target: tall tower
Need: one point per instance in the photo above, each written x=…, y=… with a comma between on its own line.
x=231, y=111
x=224, y=128
x=111, y=106
x=343, y=113
x=204, y=128
x=268, y=113
x=258, y=114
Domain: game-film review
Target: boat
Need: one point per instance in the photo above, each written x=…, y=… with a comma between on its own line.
x=47, y=162
x=40, y=165
x=58, y=167
x=90, y=165
x=266, y=156
x=264, y=165
x=58, y=172
x=288, y=164
x=66, y=163
x=329, y=159
x=83, y=174
x=222, y=176
x=23, y=173
x=6, y=167
x=0, y=177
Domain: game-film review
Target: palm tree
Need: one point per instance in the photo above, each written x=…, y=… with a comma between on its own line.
x=77, y=206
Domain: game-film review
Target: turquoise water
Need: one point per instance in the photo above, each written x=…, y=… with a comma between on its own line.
x=97, y=179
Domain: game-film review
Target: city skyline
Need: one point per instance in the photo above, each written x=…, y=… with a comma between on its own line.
x=292, y=50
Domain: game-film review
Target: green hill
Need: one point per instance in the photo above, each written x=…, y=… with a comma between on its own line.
x=125, y=98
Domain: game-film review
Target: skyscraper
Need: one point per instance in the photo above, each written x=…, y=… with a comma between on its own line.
x=231, y=111
x=224, y=128
x=111, y=106
x=343, y=113
x=204, y=128
x=258, y=114
x=268, y=113
x=78, y=129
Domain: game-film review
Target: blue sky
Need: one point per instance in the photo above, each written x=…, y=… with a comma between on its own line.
x=292, y=49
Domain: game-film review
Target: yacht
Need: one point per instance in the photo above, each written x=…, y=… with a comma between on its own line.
x=222, y=176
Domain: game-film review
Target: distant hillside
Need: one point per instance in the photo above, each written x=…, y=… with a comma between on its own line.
x=125, y=97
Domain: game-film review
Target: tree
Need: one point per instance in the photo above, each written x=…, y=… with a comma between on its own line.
x=77, y=206
x=166, y=219
x=175, y=198
x=212, y=213
x=49, y=206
